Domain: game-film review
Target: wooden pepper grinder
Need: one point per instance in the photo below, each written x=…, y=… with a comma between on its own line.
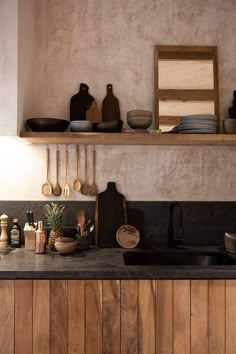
x=3, y=237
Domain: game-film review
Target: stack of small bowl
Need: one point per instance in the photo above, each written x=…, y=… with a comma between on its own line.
x=139, y=119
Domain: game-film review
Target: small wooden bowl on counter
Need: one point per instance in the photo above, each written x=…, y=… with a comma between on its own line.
x=65, y=245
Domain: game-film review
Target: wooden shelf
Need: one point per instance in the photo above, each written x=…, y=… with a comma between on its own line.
x=130, y=139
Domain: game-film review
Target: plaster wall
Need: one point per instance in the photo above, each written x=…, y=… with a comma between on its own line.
x=8, y=67
x=111, y=41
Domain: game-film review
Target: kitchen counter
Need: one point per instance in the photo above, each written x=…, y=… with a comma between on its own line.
x=99, y=264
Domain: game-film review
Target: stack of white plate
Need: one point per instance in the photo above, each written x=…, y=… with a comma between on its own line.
x=198, y=124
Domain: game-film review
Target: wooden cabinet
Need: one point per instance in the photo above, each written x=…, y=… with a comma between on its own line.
x=118, y=317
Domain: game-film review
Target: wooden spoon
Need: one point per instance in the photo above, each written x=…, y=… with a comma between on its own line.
x=47, y=187
x=85, y=188
x=77, y=184
x=66, y=190
x=57, y=188
x=81, y=220
x=94, y=188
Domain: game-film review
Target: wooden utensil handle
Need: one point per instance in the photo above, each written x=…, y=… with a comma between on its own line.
x=47, y=162
x=77, y=161
x=57, y=162
x=85, y=162
x=94, y=164
x=66, y=165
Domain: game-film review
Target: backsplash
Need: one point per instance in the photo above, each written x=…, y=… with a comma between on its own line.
x=204, y=222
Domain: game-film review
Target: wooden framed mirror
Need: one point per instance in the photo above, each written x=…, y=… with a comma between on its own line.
x=186, y=82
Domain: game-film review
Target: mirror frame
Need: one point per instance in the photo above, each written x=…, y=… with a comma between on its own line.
x=184, y=53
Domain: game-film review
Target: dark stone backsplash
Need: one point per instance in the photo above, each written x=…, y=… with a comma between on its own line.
x=204, y=222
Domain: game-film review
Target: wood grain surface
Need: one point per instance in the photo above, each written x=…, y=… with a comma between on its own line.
x=93, y=331
x=76, y=316
x=7, y=316
x=111, y=316
x=41, y=319
x=230, y=317
x=131, y=138
x=117, y=316
x=146, y=321
x=129, y=317
x=58, y=317
x=199, y=316
x=23, y=316
x=181, y=317
x=164, y=316
x=216, y=316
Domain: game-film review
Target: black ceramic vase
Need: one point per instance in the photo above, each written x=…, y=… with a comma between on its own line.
x=80, y=103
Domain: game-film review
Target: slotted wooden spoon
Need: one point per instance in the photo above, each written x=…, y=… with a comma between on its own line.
x=66, y=189
x=47, y=187
x=94, y=188
x=85, y=188
x=77, y=183
x=57, y=188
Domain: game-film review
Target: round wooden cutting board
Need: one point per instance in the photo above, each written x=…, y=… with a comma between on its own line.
x=128, y=236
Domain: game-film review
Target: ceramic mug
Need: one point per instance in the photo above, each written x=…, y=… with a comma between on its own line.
x=230, y=126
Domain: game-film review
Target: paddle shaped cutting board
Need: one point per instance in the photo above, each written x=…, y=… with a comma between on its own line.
x=110, y=106
x=110, y=215
x=93, y=114
x=80, y=103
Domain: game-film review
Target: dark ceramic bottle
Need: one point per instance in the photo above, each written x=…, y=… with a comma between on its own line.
x=80, y=103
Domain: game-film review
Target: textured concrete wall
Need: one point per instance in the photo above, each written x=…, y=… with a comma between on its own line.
x=105, y=41
x=26, y=57
x=8, y=67
x=111, y=41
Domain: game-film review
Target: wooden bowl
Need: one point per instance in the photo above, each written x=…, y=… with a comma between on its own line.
x=65, y=245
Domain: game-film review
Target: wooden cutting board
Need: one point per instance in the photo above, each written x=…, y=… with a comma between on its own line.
x=93, y=114
x=110, y=215
x=80, y=103
x=110, y=106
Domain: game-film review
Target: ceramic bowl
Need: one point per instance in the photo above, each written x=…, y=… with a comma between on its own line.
x=139, y=122
x=65, y=245
x=81, y=126
x=112, y=126
x=47, y=124
x=138, y=113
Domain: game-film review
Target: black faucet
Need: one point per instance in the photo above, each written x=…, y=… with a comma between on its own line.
x=175, y=228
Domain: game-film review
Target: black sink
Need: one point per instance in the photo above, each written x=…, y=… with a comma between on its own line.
x=174, y=258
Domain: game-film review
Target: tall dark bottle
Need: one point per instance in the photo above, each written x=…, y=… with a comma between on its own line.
x=15, y=234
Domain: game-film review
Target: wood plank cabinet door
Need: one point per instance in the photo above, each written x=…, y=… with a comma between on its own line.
x=118, y=316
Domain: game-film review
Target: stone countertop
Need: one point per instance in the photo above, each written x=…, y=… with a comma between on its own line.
x=99, y=264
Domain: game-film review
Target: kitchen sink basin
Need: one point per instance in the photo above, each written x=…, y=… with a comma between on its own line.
x=173, y=258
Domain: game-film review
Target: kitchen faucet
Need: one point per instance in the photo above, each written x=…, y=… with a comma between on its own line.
x=175, y=227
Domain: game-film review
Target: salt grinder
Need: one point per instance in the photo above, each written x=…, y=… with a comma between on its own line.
x=3, y=237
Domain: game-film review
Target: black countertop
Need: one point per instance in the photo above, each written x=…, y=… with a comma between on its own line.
x=99, y=264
